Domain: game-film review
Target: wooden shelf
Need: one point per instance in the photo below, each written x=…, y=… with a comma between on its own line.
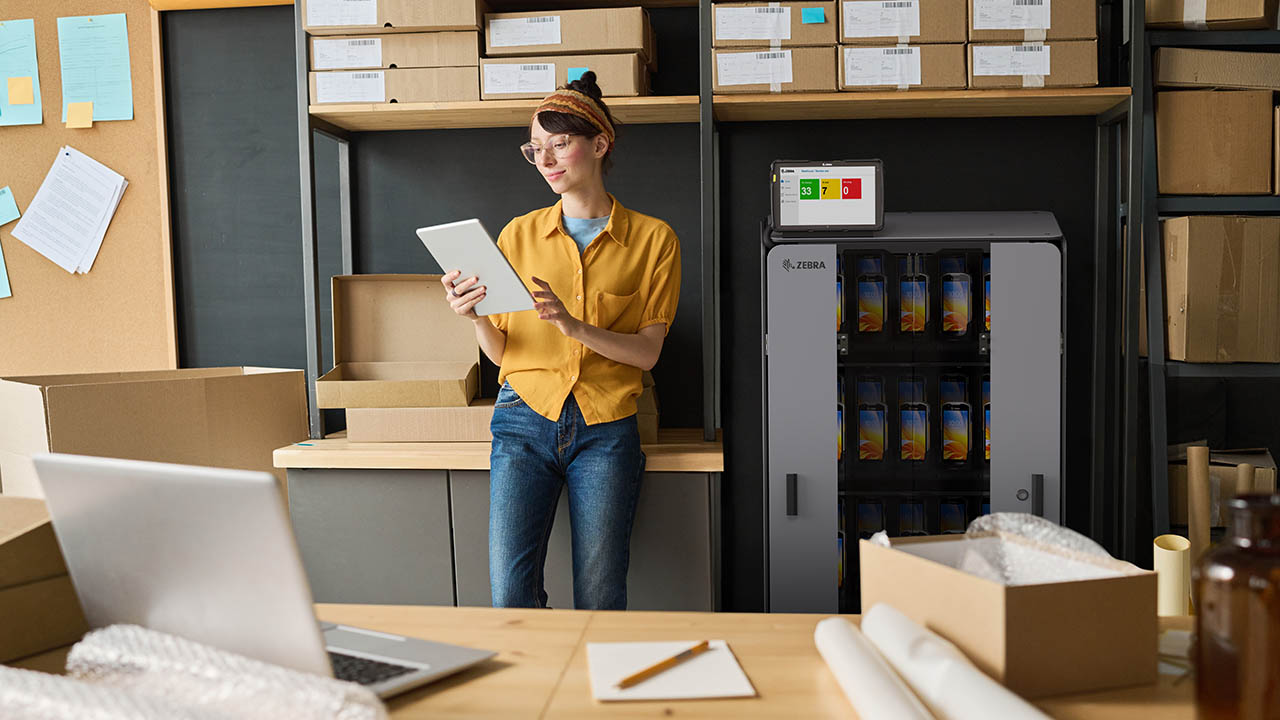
x=918, y=104
x=494, y=113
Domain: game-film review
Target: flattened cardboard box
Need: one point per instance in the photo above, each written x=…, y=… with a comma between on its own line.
x=431, y=424
x=395, y=16
x=1072, y=63
x=1214, y=142
x=231, y=417
x=779, y=24
x=444, y=84
x=1212, y=14
x=398, y=344
x=1222, y=476
x=617, y=75
x=1037, y=640
x=809, y=70
x=1195, y=68
x=38, y=604
x=879, y=22
x=1003, y=21
x=399, y=50
x=569, y=32
x=940, y=67
x=1222, y=280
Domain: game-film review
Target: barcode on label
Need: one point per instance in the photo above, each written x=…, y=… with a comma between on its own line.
x=1028, y=48
x=366, y=76
x=544, y=19
x=770, y=11
x=770, y=56
x=535, y=68
x=1028, y=2
x=899, y=51
x=359, y=43
x=897, y=4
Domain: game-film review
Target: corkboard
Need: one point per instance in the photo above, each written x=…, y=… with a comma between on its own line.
x=207, y=4
x=120, y=315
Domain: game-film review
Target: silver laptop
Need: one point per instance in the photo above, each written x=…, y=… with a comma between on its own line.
x=209, y=555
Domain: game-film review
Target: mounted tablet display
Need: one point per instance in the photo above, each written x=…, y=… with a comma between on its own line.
x=839, y=195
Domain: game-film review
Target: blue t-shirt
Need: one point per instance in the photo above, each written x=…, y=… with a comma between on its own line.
x=584, y=230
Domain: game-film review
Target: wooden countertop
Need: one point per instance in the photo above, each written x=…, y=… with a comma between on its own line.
x=681, y=450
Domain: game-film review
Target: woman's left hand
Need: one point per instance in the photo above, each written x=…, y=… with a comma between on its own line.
x=551, y=309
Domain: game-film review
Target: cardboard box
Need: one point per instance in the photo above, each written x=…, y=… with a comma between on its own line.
x=398, y=344
x=1214, y=15
x=230, y=417
x=779, y=24
x=1222, y=288
x=926, y=67
x=871, y=22
x=1193, y=68
x=1071, y=63
x=571, y=32
x=429, y=424
x=536, y=77
x=1275, y=154
x=401, y=50
x=1222, y=480
x=764, y=71
x=648, y=426
x=37, y=601
x=1037, y=640
x=1214, y=142
x=1032, y=20
x=444, y=84
x=320, y=17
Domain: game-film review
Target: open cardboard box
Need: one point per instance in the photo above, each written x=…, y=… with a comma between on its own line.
x=398, y=344
x=39, y=610
x=1222, y=479
x=1038, y=640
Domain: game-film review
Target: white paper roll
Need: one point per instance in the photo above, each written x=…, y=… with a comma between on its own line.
x=1172, y=560
x=873, y=689
x=940, y=674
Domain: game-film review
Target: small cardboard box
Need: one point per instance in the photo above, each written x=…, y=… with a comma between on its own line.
x=231, y=417
x=1222, y=480
x=399, y=50
x=1212, y=15
x=622, y=75
x=443, y=84
x=779, y=24
x=1222, y=288
x=877, y=22
x=427, y=424
x=37, y=601
x=930, y=67
x=1037, y=640
x=322, y=17
x=1069, y=63
x=1195, y=68
x=398, y=344
x=764, y=71
x=570, y=32
x=1032, y=20
x=1214, y=142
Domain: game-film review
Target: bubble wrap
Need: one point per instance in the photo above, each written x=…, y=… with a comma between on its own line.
x=30, y=695
x=1024, y=549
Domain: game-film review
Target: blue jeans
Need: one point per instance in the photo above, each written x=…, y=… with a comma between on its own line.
x=532, y=459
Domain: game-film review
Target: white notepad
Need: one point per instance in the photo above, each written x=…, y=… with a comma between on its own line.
x=712, y=674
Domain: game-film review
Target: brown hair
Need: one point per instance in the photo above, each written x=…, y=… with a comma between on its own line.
x=557, y=123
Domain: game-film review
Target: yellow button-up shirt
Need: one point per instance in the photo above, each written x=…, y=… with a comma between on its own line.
x=628, y=278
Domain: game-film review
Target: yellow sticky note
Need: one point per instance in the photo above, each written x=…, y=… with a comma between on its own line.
x=80, y=115
x=20, y=92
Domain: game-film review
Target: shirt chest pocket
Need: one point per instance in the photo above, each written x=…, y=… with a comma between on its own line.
x=619, y=313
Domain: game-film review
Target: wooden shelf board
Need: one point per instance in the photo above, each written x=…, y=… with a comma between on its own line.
x=918, y=103
x=494, y=113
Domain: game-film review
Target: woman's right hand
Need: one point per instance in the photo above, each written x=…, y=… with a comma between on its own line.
x=463, y=296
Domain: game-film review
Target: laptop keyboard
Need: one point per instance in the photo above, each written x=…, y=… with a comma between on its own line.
x=363, y=670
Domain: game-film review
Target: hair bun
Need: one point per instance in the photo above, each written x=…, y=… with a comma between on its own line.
x=587, y=85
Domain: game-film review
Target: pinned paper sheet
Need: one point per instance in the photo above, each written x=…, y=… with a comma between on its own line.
x=8, y=206
x=94, y=51
x=20, y=94
x=20, y=91
x=80, y=115
x=712, y=674
x=72, y=239
x=4, y=278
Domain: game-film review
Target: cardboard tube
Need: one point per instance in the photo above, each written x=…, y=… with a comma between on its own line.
x=1244, y=484
x=1172, y=556
x=1198, y=500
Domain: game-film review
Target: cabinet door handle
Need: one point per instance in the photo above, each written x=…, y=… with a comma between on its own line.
x=791, y=494
x=1037, y=494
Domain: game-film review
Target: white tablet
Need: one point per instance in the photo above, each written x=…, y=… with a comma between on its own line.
x=465, y=246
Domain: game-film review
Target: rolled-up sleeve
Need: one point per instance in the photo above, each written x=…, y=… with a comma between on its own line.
x=664, y=285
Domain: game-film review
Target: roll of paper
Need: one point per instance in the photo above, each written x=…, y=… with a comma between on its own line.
x=873, y=689
x=1245, y=474
x=1172, y=556
x=951, y=686
x=1198, y=500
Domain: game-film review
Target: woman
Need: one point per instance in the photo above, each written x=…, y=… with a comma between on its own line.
x=605, y=281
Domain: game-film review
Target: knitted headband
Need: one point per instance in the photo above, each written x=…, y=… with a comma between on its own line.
x=572, y=102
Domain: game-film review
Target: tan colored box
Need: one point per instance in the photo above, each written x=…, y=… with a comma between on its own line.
x=1216, y=15
x=1194, y=68
x=230, y=417
x=1003, y=21
x=444, y=84
x=569, y=32
x=37, y=601
x=399, y=50
x=648, y=426
x=780, y=24
x=398, y=344
x=809, y=69
x=1214, y=142
x=1072, y=63
x=923, y=67
x=427, y=424
x=870, y=22
x=530, y=77
x=1275, y=154
x=1222, y=480
x=394, y=16
x=1037, y=640
x=1222, y=285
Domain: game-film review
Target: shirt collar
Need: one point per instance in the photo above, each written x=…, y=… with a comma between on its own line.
x=616, y=229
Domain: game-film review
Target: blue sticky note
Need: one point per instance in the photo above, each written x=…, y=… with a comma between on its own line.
x=94, y=50
x=576, y=73
x=8, y=206
x=809, y=16
x=18, y=59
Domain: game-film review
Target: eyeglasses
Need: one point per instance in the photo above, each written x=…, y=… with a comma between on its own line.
x=556, y=145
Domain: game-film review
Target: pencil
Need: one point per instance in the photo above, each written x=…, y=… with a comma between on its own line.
x=662, y=666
